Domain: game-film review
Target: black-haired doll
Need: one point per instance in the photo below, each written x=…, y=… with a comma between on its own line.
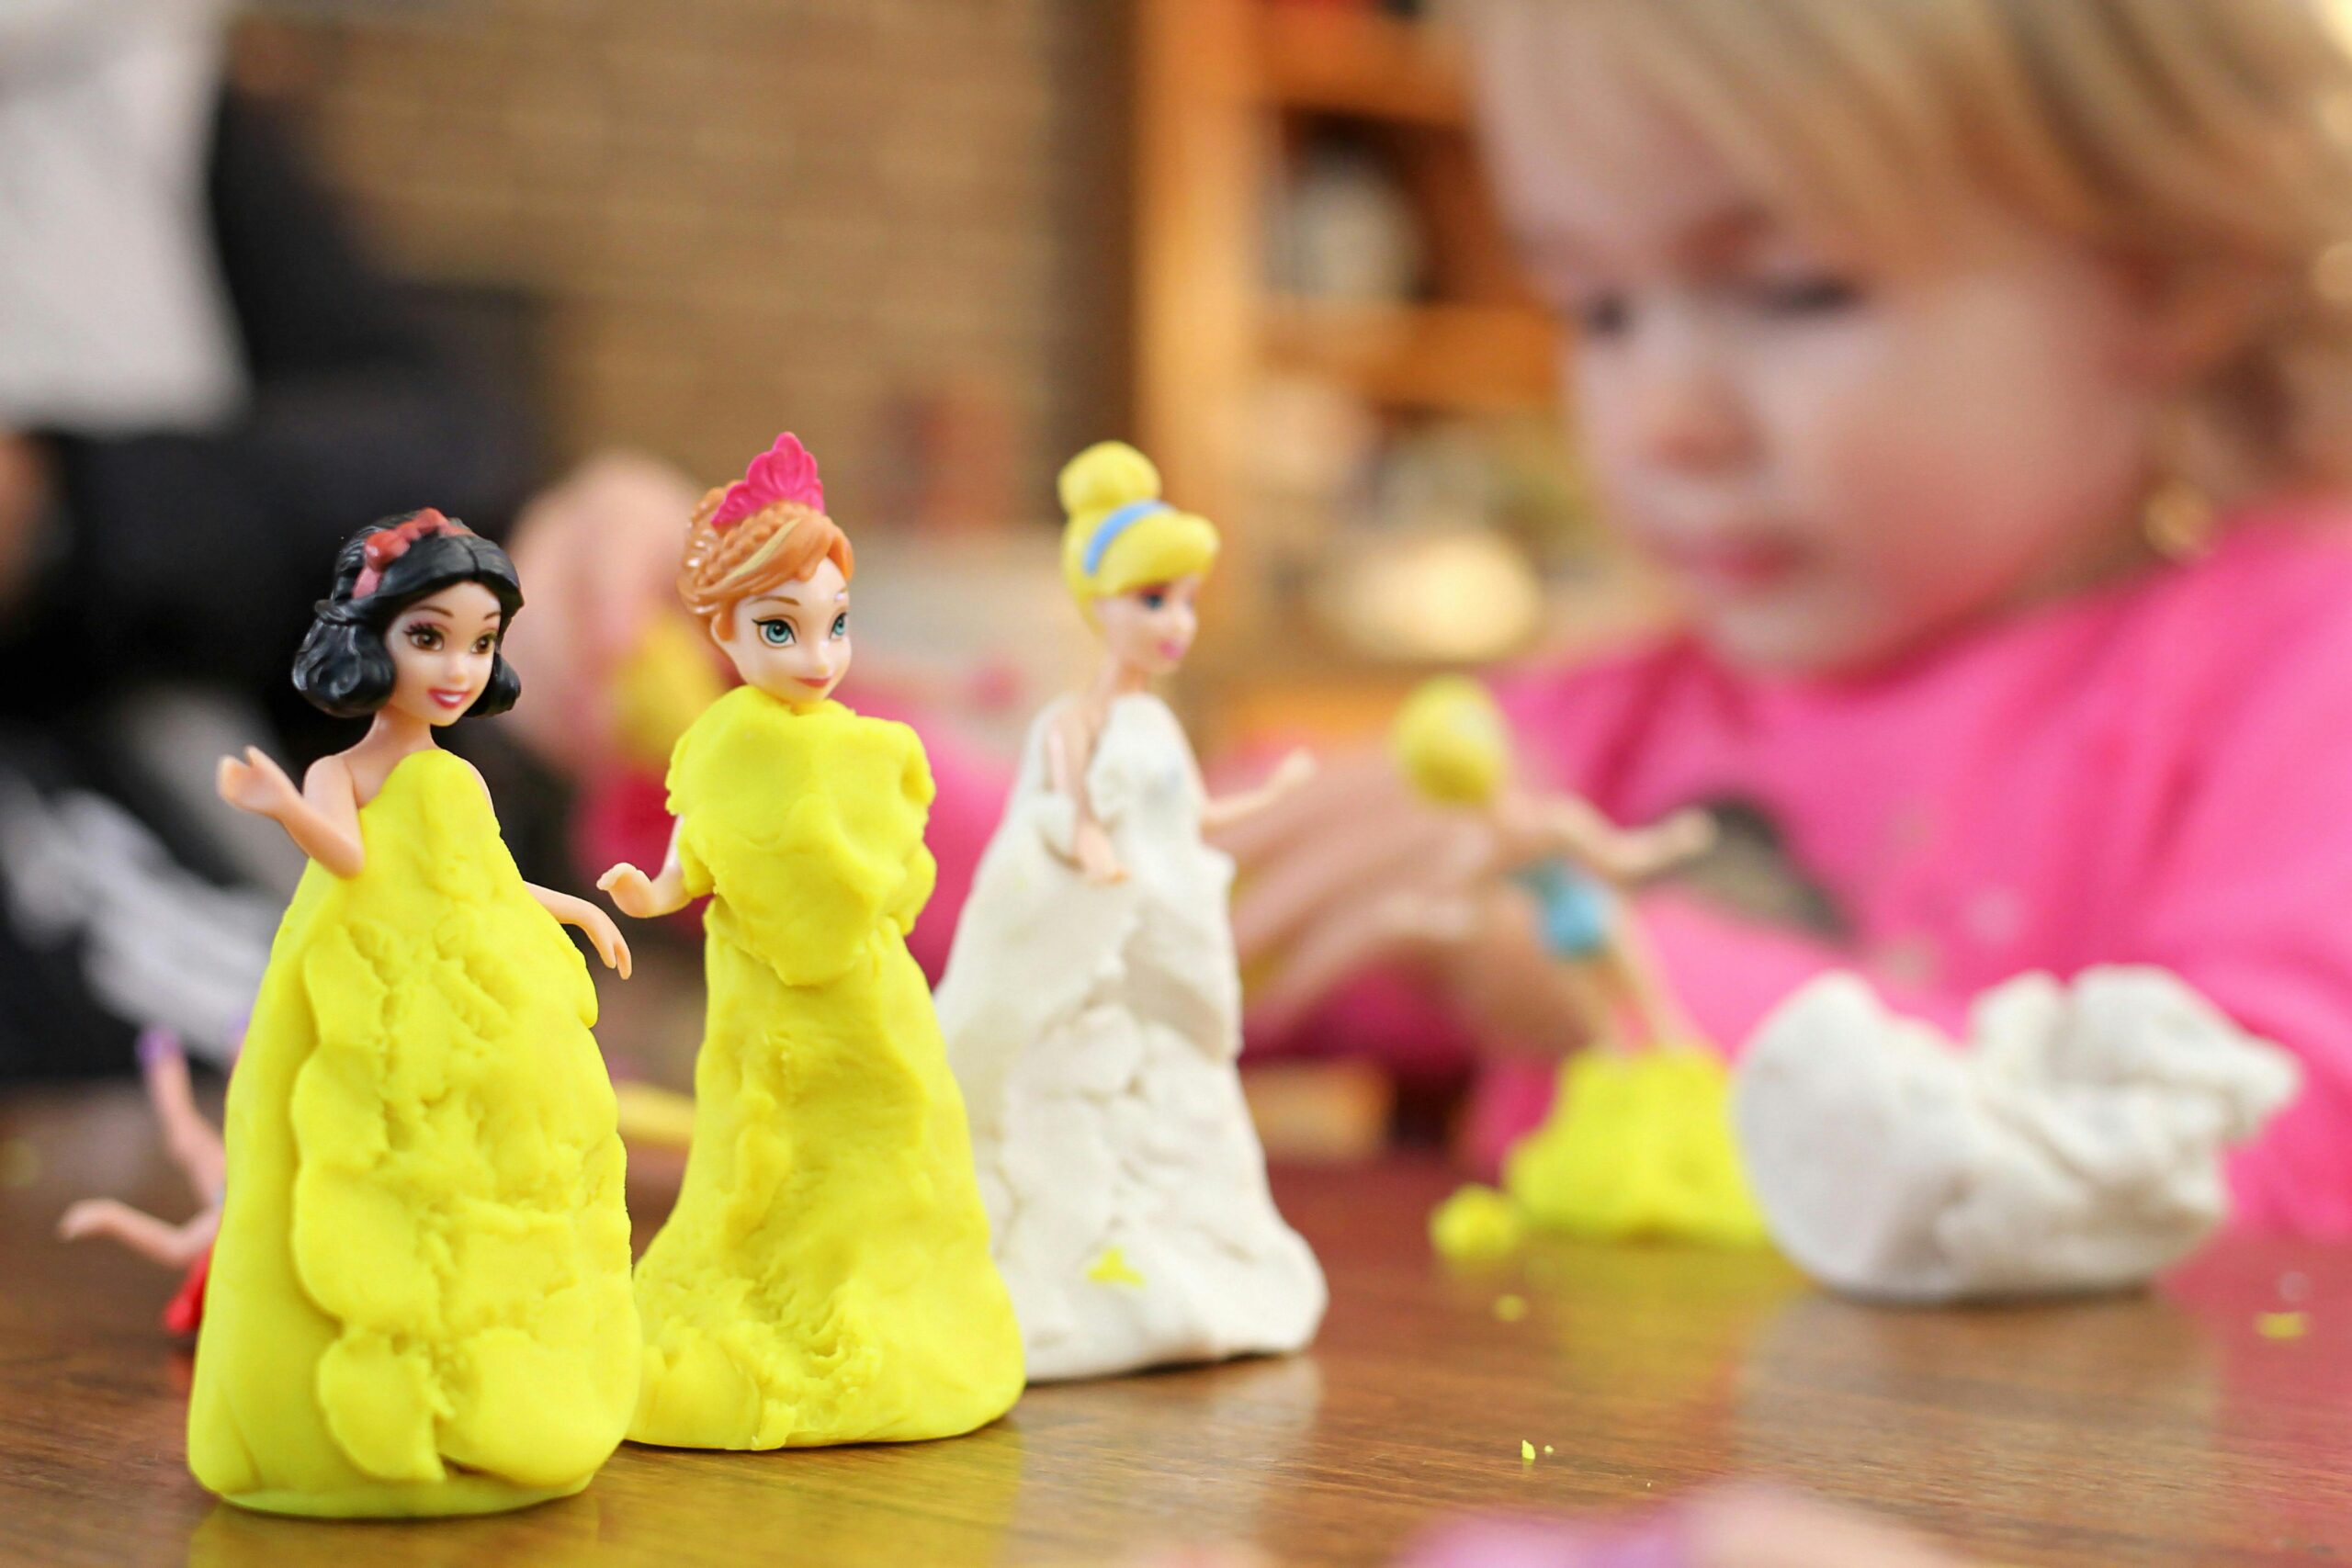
x=419, y=1300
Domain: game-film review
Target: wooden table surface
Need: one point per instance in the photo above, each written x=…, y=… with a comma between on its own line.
x=2161, y=1428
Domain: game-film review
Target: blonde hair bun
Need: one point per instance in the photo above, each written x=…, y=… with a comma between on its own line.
x=1106, y=475
x=1451, y=743
x=1156, y=543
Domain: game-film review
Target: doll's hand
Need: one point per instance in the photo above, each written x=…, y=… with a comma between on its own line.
x=1097, y=861
x=605, y=936
x=256, y=784
x=598, y=554
x=631, y=891
x=1687, y=835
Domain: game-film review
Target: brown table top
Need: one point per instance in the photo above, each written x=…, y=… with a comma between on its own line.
x=2148, y=1430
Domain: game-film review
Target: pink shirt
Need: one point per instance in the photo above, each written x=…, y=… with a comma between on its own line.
x=2157, y=773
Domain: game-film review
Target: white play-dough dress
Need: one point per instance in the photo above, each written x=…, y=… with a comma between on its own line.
x=1095, y=1029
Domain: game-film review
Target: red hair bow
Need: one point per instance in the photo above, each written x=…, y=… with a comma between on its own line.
x=388, y=545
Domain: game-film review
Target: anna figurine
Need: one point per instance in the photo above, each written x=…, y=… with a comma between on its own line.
x=825, y=1277
x=419, y=1298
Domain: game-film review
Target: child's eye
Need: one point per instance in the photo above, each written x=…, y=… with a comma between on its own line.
x=1820, y=293
x=778, y=633
x=428, y=637
x=840, y=626
x=1604, y=315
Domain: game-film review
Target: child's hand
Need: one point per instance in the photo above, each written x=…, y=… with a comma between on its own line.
x=1339, y=841
x=1351, y=871
x=256, y=783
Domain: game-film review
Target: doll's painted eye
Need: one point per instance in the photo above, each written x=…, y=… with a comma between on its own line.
x=426, y=635
x=778, y=633
x=1153, y=598
x=840, y=626
x=484, y=643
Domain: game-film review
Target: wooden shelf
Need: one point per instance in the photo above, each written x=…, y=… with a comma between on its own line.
x=1459, y=358
x=1344, y=62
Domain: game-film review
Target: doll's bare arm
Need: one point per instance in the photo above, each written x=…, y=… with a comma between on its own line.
x=175, y=1247
x=1290, y=773
x=1573, y=828
x=322, y=817
x=602, y=933
x=1068, y=751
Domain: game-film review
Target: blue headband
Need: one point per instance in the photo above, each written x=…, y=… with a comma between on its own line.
x=1114, y=524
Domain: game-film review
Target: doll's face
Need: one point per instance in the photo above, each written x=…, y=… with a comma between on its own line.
x=1151, y=628
x=444, y=647
x=793, y=643
x=1834, y=460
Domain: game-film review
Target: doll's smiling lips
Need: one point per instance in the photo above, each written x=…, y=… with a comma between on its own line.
x=450, y=697
x=1173, y=649
x=819, y=681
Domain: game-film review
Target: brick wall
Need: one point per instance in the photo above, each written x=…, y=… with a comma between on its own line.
x=893, y=225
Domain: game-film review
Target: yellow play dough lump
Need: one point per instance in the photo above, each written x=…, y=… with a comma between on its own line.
x=1638, y=1144
x=1476, y=1224
x=825, y=1277
x=419, y=1302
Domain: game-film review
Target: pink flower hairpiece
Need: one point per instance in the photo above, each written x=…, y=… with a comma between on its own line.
x=388, y=545
x=783, y=472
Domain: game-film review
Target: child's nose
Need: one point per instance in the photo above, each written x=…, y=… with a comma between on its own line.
x=1682, y=407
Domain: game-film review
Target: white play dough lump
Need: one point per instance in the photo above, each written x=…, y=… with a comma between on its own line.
x=2074, y=1143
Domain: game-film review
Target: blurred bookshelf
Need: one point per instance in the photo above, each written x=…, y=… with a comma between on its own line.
x=1337, y=360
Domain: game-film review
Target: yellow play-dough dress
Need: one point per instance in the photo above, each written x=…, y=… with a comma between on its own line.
x=825, y=1277
x=419, y=1302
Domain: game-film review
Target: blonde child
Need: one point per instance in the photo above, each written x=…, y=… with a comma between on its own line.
x=1981, y=372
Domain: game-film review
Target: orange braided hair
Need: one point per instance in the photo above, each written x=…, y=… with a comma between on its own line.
x=755, y=535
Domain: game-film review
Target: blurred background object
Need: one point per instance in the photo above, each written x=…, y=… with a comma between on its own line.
x=575, y=260
x=1318, y=253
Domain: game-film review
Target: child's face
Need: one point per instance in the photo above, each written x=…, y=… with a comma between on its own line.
x=1834, y=462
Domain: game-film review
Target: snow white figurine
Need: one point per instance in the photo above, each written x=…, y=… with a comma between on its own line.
x=419, y=1300
x=825, y=1276
x=1092, y=1003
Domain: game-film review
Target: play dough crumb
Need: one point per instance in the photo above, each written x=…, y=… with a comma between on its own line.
x=2281, y=1325
x=1510, y=1309
x=1112, y=1269
x=1547, y=1448
x=1477, y=1224
x=1526, y=1451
